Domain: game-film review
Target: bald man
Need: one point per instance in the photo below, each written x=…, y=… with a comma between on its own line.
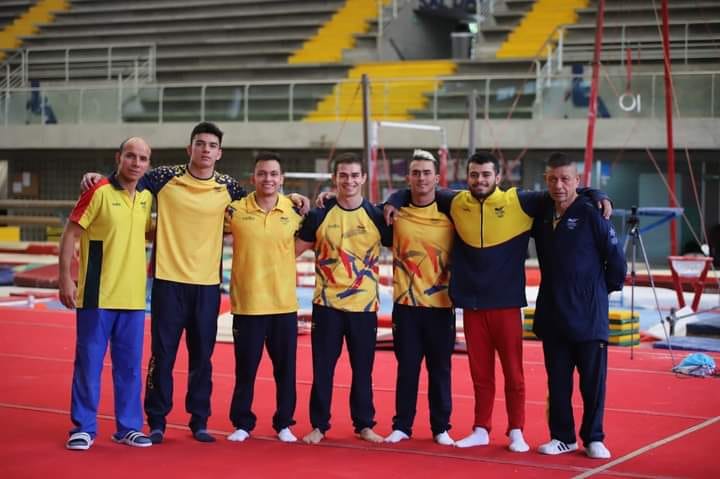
x=110, y=220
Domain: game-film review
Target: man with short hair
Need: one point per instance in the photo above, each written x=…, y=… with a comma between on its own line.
x=263, y=296
x=423, y=316
x=186, y=288
x=346, y=235
x=581, y=261
x=186, y=264
x=110, y=220
x=487, y=281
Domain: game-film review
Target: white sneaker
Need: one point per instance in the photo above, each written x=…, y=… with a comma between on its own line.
x=479, y=437
x=555, y=447
x=396, y=436
x=286, y=435
x=597, y=450
x=239, y=435
x=444, y=439
x=517, y=441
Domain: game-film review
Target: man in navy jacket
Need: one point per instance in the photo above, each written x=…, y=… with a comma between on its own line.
x=581, y=261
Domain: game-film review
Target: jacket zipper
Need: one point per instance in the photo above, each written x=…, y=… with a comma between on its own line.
x=482, y=223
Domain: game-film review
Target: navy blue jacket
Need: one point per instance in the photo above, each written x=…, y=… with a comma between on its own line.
x=581, y=261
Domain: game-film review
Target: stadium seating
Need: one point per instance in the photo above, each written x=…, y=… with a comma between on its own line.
x=694, y=42
x=241, y=55
x=196, y=41
x=12, y=9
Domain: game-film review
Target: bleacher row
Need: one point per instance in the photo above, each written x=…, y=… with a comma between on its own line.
x=240, y=41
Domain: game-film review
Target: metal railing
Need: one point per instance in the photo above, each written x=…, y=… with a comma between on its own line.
x=65, y=64
x=512, y=96
x=552, y=55
x=14, y=72
x=555, y=46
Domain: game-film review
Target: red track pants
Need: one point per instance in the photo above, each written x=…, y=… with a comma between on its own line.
x=487, y=331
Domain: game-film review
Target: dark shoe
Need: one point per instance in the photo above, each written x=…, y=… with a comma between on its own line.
x=203, y=436
x=134, y=439
x=156, y=436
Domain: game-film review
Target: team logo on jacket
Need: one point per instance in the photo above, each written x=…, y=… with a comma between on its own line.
x=500, y=211
x=613, y=236
x=572, y=223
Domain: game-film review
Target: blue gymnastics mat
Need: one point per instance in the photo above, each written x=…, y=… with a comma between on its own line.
x=690, y=343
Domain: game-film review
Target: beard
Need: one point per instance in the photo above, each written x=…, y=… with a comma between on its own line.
x=482, y=196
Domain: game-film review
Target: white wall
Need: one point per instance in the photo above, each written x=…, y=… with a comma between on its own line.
x=693, y=133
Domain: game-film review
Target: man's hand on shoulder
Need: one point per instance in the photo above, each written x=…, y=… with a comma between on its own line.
x=606, y=208
x=89, y=180
x=323, y=197
x=302, y=203
x=389, y=212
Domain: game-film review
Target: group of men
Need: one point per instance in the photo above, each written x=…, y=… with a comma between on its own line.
x=451, y=249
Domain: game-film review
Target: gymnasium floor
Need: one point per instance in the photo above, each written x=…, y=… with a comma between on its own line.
x=658, y=424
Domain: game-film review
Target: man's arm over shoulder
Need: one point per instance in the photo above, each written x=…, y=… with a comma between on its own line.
x=444, y=198
x=394, y=202
x=305, y=237
x=599, y=198
x=533, y=202
x=311, y=223
x=376, y=215
x=399, y=198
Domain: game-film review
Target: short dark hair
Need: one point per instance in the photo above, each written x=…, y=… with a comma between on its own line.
x=207, y=127
x=422, y=155
x=557, y=160
x=269, y=156
x=347, y=159
x=481, y=158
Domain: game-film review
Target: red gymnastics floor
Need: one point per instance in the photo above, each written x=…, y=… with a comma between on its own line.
x=658, y=425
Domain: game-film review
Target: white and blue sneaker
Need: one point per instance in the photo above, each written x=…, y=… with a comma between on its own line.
x=555, y=447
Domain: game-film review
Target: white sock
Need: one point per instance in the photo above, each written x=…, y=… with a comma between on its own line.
x=239, y=435
x=517, y=441
x=396, y=436
x=479, y=437
x=286, y=435
x=444, y=439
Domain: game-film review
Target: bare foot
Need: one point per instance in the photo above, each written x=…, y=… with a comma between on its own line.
x=314, y=437
x=369, y=435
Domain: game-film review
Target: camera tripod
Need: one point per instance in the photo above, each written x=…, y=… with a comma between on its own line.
x=634, y=239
